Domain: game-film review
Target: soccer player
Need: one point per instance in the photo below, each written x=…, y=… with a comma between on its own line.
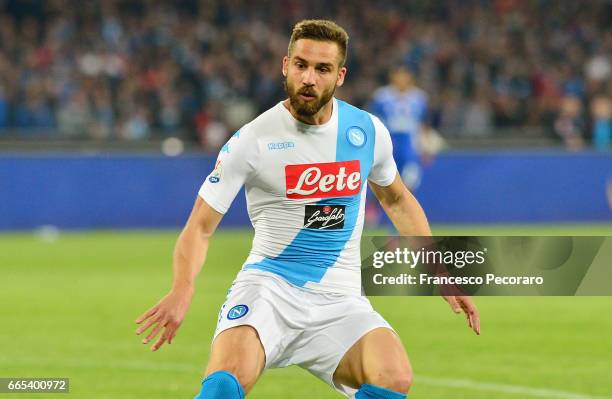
x=402, y=107
x=297, y=299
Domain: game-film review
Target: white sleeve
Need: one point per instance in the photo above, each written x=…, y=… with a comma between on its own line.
x=235, y=164
x=383, y=170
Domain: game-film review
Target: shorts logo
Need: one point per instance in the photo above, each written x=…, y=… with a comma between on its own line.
x=323, y=180
x=237, y=312
x=328, y=217
x=356, y=136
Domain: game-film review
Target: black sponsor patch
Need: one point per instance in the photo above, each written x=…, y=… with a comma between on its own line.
x=328, y=217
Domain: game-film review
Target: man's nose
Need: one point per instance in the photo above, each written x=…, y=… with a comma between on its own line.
x=308, y=77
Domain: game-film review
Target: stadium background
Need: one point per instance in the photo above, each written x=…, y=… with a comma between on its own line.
x=111, y=113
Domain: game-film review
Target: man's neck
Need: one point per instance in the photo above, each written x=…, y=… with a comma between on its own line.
x=321, y=117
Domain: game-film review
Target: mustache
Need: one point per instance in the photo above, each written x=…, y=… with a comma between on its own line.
x=307, y=91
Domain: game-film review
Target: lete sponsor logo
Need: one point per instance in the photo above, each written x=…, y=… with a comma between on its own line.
x=323, y=180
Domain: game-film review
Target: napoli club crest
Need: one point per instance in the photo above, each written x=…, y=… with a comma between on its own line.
x=356, y=136
x=237, y=312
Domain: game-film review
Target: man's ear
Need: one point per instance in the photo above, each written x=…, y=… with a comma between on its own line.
x=285, y=65
x=341, y=75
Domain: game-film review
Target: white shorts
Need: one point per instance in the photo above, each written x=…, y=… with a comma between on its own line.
x=298, y=326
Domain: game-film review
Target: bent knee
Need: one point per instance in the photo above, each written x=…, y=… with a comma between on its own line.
x=398, y=381
x=247, y=366
x=401, y=382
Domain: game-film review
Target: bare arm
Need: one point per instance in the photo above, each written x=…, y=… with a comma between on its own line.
x=192, y=245
x=189, y=256
x=409, y=219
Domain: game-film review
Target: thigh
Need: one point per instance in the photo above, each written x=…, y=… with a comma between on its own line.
x=376, y=358
x=255, y=323
x=239, y=351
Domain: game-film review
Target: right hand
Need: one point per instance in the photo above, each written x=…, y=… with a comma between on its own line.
x=167, y=314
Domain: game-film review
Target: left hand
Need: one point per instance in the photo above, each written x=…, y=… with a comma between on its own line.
x=465, y=304
x=167, y=314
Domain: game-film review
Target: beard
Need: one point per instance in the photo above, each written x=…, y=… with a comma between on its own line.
x=307, y=108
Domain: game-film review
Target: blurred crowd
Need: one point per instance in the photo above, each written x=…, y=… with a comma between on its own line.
x=133, y=70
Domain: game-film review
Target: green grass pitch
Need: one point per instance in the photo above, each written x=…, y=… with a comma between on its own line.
x=67, y=309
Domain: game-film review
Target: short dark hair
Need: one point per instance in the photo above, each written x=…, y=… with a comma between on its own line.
x=321, y=30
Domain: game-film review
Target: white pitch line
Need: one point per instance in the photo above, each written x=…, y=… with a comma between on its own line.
x=502, y=388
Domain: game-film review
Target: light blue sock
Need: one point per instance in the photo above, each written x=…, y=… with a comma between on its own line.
x=369, y=391
x=221, y=385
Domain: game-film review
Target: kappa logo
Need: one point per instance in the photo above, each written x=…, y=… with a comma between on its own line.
x=237, y=312
x=281, y=145
x=323, y=180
